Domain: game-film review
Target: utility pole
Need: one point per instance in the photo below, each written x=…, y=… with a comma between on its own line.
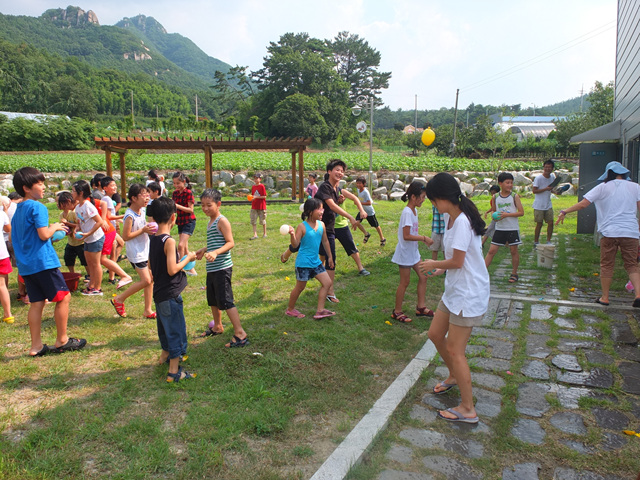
x=196, y=108
x=581, y=97
x=132, y=120
x=416, y=114
x=455, y=124
x=157, y=120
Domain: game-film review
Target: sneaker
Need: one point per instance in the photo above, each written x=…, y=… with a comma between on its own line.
x=72, y=344
x=91, y=291
x=112, y=281
x=364, y=272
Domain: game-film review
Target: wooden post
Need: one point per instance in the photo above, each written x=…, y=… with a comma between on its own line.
x=207, y=165
x=293, y=175
x=123, y=175
x=301, y=173
x=107, y=154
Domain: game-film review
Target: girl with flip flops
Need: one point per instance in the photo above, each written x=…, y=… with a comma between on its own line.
x=308, y=236
x=466, y=290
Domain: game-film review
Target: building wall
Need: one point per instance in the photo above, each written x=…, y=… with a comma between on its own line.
x=627, y=94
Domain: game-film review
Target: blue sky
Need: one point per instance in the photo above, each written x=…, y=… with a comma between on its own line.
x=495, y=51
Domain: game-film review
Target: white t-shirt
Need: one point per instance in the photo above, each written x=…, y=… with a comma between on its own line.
x=542, y=201
x=407, y=253
x=85, y=213
x=163, y=189
x=365, y=196
x=111, y=207
x=466, y=289
x=138, y=247
x=10, y=212
x=4, y=220
x=616, y=204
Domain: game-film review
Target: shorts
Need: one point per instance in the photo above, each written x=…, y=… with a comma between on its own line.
x=503, y=237
x=459, y=320
x=219, y=292
x=304, y=274
x=94, y=247
x=140, y=265
x=109, y=238
x=490, y=229
x=258, y=215
x=332, y=247
x=5, y=266
x=343, y=235
x=608, y=249
x=187, y=228
x=47, y=284
x=373, y=221
x=71, y=252
x=172, y=328
x=540, y=216
x=437, y=245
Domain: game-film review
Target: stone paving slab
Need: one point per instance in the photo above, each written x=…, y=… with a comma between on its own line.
x=452, y=469
x=522, y=471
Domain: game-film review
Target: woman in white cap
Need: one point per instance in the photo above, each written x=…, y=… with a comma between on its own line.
x=617, y=202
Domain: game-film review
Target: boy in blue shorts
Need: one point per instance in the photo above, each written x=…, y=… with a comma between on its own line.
x=219, y=269
x=168, y=283
x=39, y=264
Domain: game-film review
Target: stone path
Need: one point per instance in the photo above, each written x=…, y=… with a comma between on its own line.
x=556, y=386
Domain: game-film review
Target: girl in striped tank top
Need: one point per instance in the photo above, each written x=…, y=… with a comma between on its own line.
x=219, y=269
x=308, y=236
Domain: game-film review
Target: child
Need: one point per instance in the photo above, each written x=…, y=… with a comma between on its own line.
x=437, y=232
x=5, y=265
x=97, y=192
x=113, y=242
x=367, y=204
x=154, y=190
x=308, y=236
x=407, y=256
x=492, y=226
x=219, y=269
x=466, y=290
x=153, y=177
x=312, y=188
x=258, y=206
x=186, y=221
x=168, y=283
x=542, y=207
x=38, y=263
x=15, y=199
x=92, y=234
x=509, y=206
x=136, y=233
x=75, y=246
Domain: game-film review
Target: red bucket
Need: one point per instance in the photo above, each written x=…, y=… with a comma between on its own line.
x=71, y=279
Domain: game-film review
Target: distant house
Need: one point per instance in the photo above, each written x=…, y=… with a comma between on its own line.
x=523, y=126
x=38, y=117
x=410, y=130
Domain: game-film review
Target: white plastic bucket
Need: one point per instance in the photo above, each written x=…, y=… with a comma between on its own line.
x=545, y=255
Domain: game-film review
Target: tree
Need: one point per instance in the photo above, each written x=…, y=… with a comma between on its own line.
x=232, y=87
x=299, y=116
x=357, y=64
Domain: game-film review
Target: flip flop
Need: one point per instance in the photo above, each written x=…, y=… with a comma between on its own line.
x=12, y=319
x=294, y=313
x=153, y=316
x=383, y=242
x=333, y=299
x=324, y=313
x=459, y=417
x=124, y=282
x=446, y=386
x=606, y=304
x=237, y=342
x=209, y=332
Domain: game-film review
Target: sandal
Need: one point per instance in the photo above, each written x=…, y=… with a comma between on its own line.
x=401, y=317
x=8, y=319
x=119, y=306
x=152, y=316
x=294, y=313
x=176, y=377
x=366, y=237
x=333, y=299
x=43, y=351
x=237, y=342
x=71, y=345
x=383, y=242
x=123, y=282
x=424, y=312
x=324, y=313
x=209, y=332
x=513, y=278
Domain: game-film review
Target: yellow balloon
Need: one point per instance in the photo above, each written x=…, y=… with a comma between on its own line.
x=428, y=136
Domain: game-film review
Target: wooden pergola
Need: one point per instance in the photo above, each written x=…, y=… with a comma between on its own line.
x=121, y=145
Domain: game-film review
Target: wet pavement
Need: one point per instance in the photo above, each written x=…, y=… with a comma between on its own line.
x=555, y=382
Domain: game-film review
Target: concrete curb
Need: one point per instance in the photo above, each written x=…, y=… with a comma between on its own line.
x=353, y=447
x=566, y=303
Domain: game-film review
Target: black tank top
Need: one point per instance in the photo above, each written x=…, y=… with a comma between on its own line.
x=165, y=286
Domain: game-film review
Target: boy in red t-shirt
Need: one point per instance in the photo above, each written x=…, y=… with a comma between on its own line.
x=258, y=206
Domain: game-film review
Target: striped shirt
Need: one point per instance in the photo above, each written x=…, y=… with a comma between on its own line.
x=215, y=240
x=437, y=224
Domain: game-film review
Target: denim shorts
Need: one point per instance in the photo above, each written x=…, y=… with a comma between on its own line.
x=304, y=274
x=94, y=247
x=172, y=328
x=187, y=228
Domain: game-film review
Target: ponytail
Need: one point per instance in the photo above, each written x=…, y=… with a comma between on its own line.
x=415, y=190
x=310, y=205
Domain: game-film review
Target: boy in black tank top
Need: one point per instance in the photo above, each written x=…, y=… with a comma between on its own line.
x=169, y=280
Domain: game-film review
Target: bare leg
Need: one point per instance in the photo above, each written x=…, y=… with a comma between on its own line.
x=34, y=318
x=145, y=283
x=325, y=282
x=536, y=232
x=422, y=287
x=356, y=258
x=255, y=230
x=61, y=316
x=493, y=249
x=93, y=266
x=234, y=317
x=295, y=293
x=456, y=344
x=434, y=255
x=405, y=278
x=332, y=276
x=438, y=335
x=515, y=259
x=379, y=230
x=217, y=319
x=606, y=286
x=264, y=229
x=635, y=281
x=549, y=231
x=113, y=267
x=5, y=298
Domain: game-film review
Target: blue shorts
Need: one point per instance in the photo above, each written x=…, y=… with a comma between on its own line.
x=187, y=228
x=47, y=284
x=94, y=247
x=172, y=328
x=304, y=274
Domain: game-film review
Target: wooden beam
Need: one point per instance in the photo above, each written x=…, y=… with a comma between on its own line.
x=301, y=173
x=207, y=166
x=293, y=175
x=107, y=155
x=123, y=176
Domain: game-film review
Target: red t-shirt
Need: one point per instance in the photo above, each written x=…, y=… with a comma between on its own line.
x=260, y=203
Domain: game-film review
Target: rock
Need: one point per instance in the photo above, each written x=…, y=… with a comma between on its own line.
x=248, y=182
x=422, y=180
x=226, y=177
x=388, y=183
x=520, y=180
x=462, y=176
x=239, y=178
x=384, y=197
x=282, y=184
x=286, y=192
x=222, y=185
x=466, y=188
x=482, y=186
x=397, y=185
x=379, y=191
x=396, y=196
x=268, y=182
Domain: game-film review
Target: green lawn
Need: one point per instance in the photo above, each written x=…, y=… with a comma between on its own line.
x=273, y=410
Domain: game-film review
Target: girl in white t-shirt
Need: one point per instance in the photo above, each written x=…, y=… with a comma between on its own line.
x=466, y=290
x=135, y=233
x=407, y=256
x=5, y=265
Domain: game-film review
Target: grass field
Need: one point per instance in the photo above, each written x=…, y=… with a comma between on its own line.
x=273, y=410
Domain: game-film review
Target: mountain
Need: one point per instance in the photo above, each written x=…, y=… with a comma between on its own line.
x=176, y=48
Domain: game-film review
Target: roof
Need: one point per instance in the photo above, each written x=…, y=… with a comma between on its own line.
x=538, y=130
x=38, y=117
x=497, y=118
x=611, y=132
x=175, y=143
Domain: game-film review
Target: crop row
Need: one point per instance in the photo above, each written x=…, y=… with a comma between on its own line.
x=239, y=161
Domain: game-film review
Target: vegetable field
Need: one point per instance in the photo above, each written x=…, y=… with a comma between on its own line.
x=239, y=161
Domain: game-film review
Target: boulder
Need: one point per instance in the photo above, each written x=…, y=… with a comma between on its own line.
x=570, y=191
x=383, y=197
x=482, y=186
x=397, y=185
x=396, y=196
x=422, y=180
x=466, y=188
x=248, y=182
x=342, y=183
x=66, y=184
x=268, y=182
x=215, y=178
x=275, y=195
x=378, y=192
x=281, y=184
x=388, y=183
x=239, y=178
x=285, y=192
x=226, y=177
x=462, y=176
x=222, y=185
x=520, y=180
